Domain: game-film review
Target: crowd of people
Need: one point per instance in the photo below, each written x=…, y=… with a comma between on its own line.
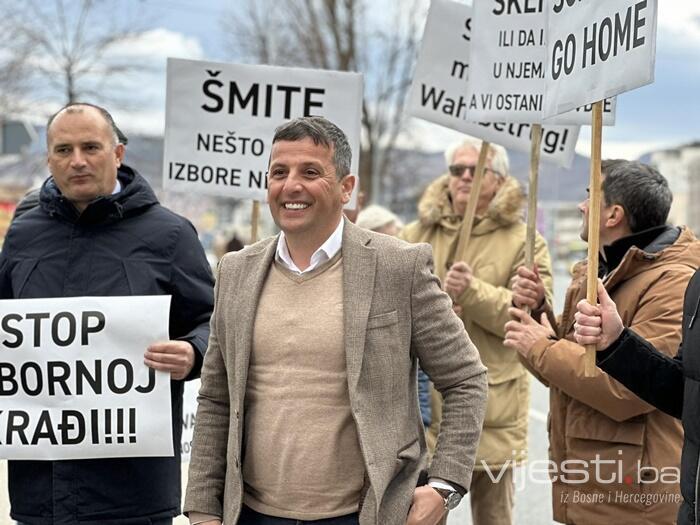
x=366, y=372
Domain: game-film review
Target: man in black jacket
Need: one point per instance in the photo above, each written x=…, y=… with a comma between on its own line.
x=99, y=231
x=670, y=384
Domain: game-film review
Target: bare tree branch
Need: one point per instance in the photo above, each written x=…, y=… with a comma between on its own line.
x=67, y=49
x=335, y=34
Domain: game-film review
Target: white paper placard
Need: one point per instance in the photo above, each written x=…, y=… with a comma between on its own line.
x=73, y=384
x=507, y=62
x=189, y=415
x=220, y=120
x=438, y=93
x=596, y=50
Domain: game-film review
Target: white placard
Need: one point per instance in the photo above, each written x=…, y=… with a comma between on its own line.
x=189, y=415
x=220, y=120
x=507, y=62
x=438, y=93
x=73, y=384
x=596, y=50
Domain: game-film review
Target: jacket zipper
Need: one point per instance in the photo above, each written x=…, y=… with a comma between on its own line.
x=695, y=314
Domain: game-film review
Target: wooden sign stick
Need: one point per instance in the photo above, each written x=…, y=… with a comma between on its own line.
x=254, y=220
x=595, y=189
x=470, y=212
x=532, y=198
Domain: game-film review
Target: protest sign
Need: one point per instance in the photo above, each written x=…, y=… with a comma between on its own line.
x=73, y=384
x=507, y=61
x=597, y=50
x=189, y=415
x=220, y=120
x=438, y=93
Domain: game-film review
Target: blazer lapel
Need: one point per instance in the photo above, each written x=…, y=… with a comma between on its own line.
x=250, y=284
x=359, y=265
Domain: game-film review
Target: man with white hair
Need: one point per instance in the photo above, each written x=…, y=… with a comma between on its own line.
x=479, y=283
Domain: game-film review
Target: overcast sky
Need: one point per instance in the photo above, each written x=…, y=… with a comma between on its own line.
x=666, y=113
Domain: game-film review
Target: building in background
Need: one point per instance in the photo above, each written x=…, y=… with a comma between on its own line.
x=681, y=166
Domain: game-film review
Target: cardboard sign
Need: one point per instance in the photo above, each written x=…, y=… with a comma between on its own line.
x=73, y=384
x=438, y=93
x=507, y=62
x=189, y=415
x=596, y=50
x=220, y=120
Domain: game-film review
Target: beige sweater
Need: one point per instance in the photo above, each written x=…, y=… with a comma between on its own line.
x=302, y=455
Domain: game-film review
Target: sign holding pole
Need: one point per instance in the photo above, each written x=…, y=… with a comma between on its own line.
x=597, y=50
x=254, y=222
x=595, y=189
x=465, y=232
x=532, y=196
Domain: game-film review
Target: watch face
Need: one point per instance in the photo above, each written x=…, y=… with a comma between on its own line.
x=453, y=500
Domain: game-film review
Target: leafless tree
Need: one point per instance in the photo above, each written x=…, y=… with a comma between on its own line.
x=13, y=65
x=340, y=35
x=67, y=47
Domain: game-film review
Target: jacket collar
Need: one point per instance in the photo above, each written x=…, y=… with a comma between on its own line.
x=135, y=195
x=652, y=240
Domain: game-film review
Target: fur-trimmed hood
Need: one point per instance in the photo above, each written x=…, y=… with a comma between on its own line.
x=505, y=209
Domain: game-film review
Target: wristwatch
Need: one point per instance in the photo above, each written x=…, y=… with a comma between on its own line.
x=450, y=497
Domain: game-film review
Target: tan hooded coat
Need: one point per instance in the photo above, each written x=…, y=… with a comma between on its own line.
x=495, y=251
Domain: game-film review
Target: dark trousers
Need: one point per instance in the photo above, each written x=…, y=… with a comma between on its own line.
x=250, y=517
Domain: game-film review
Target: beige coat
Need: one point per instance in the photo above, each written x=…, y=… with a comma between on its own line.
x=495, y=251
x=394, y=313
x=596, y=415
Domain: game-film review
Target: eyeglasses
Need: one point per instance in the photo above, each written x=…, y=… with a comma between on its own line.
x=457, y=170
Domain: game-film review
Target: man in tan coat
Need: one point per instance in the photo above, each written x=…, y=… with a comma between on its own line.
x=481, y=285
x=308, y=410
x=615, y=457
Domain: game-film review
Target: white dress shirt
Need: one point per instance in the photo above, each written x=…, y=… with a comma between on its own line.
x=325, y=252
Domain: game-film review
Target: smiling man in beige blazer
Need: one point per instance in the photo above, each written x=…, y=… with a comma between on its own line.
x=308, y=409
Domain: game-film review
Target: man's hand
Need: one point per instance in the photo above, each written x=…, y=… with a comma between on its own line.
x=528, y=289
x=597, y=325
x=459, y=278
x=427, y=507
x=524, y=332
x=176, y=357
x=456, y=308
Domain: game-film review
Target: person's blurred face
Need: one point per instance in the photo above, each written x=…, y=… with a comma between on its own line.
x=584, y=209
x=462, y=172
x=82, y=155
x=305, y=197
x=389, y=229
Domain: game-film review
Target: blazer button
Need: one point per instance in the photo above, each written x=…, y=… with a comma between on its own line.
x=236, y=414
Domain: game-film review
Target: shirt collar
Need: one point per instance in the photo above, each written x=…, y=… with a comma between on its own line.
x=117, y=187
x=324, y=253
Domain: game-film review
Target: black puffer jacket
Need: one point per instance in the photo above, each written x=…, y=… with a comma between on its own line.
x=672, y=385
x=123, y=244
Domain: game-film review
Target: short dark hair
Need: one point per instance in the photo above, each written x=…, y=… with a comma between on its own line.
x=641, y=191
x=322, y=131
x=119, y=137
